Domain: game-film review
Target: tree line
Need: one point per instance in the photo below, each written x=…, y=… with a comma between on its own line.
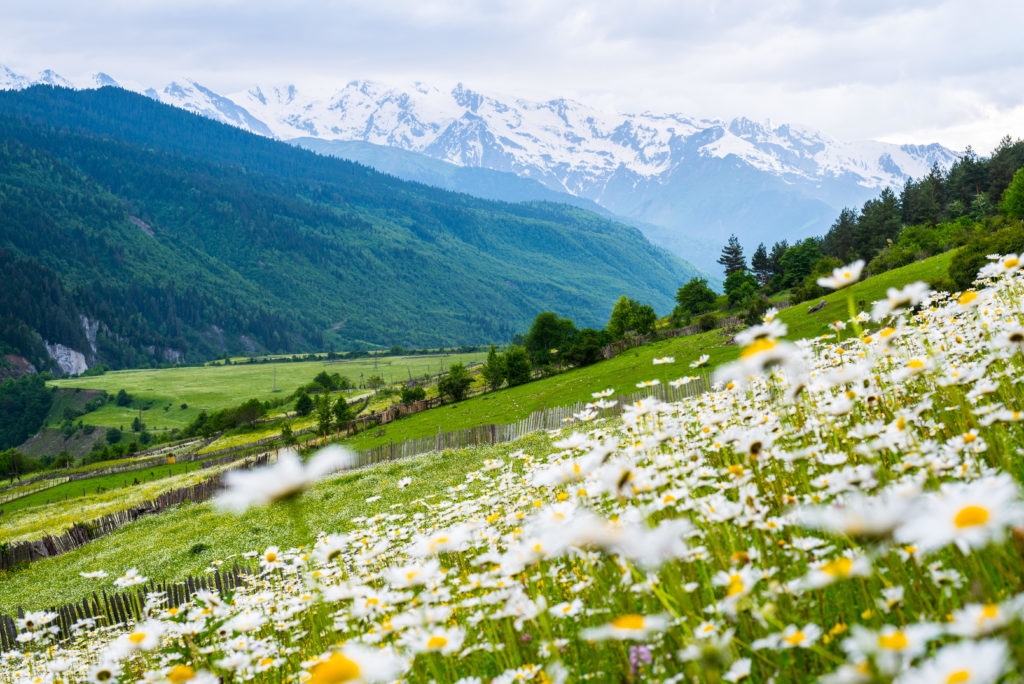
x=977, y=204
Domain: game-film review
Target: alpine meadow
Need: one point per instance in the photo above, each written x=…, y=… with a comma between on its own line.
x=481, y=343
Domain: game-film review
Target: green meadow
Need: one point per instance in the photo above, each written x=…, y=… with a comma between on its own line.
x=160, y=393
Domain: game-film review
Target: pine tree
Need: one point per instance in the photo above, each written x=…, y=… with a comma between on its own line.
x=761, y=264
x=732, y=257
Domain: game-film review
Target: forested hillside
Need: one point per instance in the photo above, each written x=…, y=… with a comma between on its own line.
x=175, y=237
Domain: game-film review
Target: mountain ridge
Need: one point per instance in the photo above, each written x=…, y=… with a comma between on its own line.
x=177, y=237
x=641, y=166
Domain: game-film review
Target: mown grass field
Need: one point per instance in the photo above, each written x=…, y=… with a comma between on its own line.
x=217, y=387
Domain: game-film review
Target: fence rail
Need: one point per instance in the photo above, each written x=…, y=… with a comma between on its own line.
x=80, y=534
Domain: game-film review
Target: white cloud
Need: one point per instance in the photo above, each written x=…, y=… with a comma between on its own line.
x=895, y=70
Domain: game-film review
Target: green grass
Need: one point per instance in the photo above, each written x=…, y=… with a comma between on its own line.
x=92, y=485
x=164, y=546
x=623, y=372
x=802, y=324
x=212, y=388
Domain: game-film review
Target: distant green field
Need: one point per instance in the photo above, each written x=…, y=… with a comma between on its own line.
x=217, y=387
x=623, y=372
x=94, y=485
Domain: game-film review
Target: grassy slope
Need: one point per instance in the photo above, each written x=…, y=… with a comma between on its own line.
x=160, y=545
x=217, y=387
x=623, y=372
x=165, y=546
x=77, y=488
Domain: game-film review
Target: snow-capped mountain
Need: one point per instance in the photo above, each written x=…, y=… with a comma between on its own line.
x=686, y=182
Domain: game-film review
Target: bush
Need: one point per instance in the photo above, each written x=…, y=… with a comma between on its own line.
x=755, y=308
x=454, y=385
x=942, y=284
x=411, y=394
x=707, y=322
x=113, y=435
x=1008, y=237
x=517, y=365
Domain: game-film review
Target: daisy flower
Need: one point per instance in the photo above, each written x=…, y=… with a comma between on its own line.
x=967, y=662
x=286, y=478
x=969, y=515
x=627, y=627
x=843, y=276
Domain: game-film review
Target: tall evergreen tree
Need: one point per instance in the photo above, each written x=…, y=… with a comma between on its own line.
x=760, y=264
x=841, y=239
x=732, y=258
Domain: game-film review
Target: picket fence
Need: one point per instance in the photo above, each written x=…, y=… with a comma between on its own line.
x=127, y=606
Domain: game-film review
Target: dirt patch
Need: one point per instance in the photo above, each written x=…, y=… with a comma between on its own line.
x=14, y=366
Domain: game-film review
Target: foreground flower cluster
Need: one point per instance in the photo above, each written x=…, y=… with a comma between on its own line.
x=844, y=509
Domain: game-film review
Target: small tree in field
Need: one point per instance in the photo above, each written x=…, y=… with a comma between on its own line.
x=324, y=414
x=494, y=370
x=304, y=405
x=517, y=365
x=342, y=413
x=453, y=386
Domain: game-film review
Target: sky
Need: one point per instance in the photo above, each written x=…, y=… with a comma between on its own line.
x=903, y=71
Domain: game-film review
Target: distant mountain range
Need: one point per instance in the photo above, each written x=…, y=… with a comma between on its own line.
x=686, y=182
x=135, y=232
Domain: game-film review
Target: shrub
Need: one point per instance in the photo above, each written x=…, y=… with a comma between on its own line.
x=707, y=322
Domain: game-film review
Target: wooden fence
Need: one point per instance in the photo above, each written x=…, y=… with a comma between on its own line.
x=82, y=533
x=126, y=606
x=545, y=419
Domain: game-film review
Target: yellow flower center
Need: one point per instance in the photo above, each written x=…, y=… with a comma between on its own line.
x=886, y=332
x=335, y=669
x=735, y=587
x=180, y=673
x=757, y=346
x=840, y=567
x=916, y=364
x=1011, y=263
x=137, y=637
x=989, y=611
x=958, y=677
x=967, y=297
x=971, y=516
x=897, y=641
x=796, y=638
x=628, y=622
x=271, y=557
x=968, y=438
x=437, y=642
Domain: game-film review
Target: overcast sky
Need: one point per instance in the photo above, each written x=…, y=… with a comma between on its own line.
x=895, y=70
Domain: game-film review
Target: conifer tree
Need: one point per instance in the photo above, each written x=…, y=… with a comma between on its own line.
x=732, y=257
x=761, y=264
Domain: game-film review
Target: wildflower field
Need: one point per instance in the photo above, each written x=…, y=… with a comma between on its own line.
x=845, y=508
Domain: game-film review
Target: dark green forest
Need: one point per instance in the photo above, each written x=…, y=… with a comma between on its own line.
x=179, y=238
